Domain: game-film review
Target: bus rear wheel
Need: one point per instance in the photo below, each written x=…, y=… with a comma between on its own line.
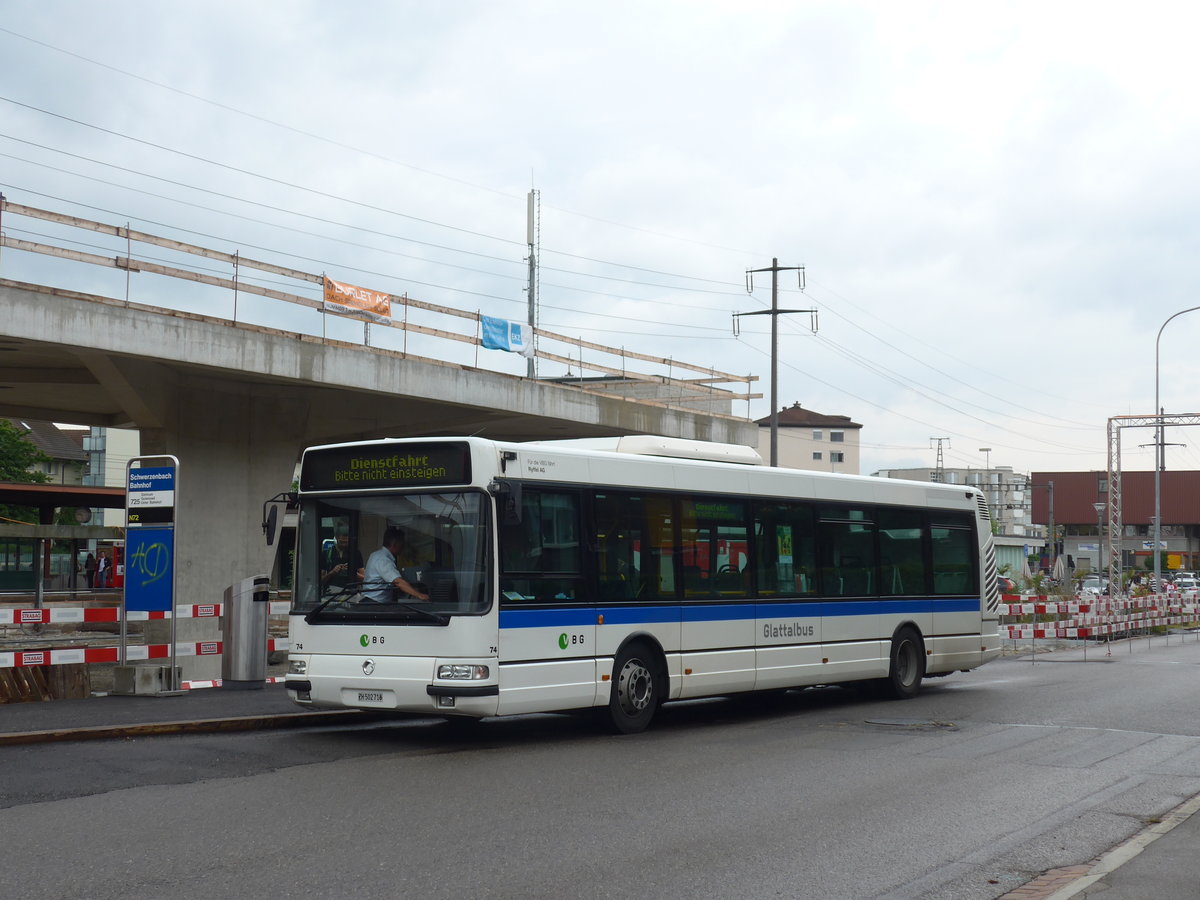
x=907, y=666
x=636, y=689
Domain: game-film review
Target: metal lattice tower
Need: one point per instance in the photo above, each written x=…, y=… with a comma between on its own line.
x=1115, y=424
x=939, y=471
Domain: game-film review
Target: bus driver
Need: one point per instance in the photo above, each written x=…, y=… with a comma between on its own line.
x=383, y=577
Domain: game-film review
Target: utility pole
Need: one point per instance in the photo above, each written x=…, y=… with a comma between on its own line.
x=531, y=235
x=1053, y=530
x=939, y=472
x=775, y=312
x=1160, y=466
x=1051, y=533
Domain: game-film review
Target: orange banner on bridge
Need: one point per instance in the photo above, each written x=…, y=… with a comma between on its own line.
x=375, y=304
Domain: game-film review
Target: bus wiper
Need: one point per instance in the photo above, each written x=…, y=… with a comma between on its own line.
x=340, y=597
x=424, y=613
x=311, y=616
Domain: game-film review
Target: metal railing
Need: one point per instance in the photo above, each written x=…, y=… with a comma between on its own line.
x=457, y=336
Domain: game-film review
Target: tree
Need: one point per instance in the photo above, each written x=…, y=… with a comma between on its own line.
x=18, y=456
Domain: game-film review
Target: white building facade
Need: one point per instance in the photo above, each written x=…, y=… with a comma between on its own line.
x=812, y=440
x=109, y=451
x=1007, y=492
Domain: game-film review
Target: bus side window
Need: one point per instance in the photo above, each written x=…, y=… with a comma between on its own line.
x=847, y=552
x=785, y=549
x=714, y=544
x=902, y=568
x=617, y=540
x=540, y=556
x=634, y=546
x=953, y=555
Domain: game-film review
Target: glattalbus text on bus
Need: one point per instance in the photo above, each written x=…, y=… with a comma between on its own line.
x=787, y=630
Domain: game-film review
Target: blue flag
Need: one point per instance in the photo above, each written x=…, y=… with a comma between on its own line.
x=501, y=334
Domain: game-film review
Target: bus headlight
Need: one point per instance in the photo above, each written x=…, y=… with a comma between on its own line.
x=297, y=667
x=458, y=672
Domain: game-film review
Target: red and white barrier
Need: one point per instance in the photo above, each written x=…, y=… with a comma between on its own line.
x=73, y=655
x=216, y=682
x=68, y=615
x=1096, y=617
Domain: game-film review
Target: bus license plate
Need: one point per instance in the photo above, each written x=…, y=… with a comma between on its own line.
x=367, y=697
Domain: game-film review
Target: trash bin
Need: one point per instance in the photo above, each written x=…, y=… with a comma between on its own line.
x=244, y=661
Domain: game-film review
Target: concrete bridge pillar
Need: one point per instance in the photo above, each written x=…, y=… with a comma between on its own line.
x=237, y=445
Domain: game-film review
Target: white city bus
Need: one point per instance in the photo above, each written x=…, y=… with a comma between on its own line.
x=621, y=573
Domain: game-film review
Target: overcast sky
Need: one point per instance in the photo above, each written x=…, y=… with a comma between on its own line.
x=994, y=203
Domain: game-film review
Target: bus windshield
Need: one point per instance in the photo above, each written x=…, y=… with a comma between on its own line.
x=417, y=558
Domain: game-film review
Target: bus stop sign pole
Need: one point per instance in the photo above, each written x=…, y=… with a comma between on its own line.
x=152, y=486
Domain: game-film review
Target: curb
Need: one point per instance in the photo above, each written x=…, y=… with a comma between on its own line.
x=1069, y=881
x=198, y=726
x=1118, y=856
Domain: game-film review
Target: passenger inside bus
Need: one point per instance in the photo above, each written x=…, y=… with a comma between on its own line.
x=341, y=567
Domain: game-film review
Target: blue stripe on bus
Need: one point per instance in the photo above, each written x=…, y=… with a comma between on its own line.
x=568, y=617
x=912, y=606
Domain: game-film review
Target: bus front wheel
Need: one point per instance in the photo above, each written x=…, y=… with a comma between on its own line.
x=636, y=689
x=907, y=666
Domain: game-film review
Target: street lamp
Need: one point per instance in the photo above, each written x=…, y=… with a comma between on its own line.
x=1158, y=454
x=1099, y=507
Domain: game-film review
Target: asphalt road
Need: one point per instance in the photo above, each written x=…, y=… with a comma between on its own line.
x=966, y=792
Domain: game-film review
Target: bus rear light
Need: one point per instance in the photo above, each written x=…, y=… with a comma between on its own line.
x=457, y=672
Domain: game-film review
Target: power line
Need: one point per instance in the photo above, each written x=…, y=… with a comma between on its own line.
x=327, y=221
x=330, y=264
x=381, y=157
x=232, y=168
x=939, y=350
x=841, y=389
x=913, y=385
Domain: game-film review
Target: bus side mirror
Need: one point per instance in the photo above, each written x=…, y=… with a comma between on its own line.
x=271, y=525
x=508, y=500
x=271, y=513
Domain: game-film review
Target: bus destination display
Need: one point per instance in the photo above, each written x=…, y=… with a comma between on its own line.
x=387, y=465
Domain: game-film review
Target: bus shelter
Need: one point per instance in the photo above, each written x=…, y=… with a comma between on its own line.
x=32, y=540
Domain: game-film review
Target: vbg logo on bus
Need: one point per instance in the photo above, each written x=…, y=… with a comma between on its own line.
x=568, y=640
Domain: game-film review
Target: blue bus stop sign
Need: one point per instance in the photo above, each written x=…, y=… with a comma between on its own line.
x=149, y=569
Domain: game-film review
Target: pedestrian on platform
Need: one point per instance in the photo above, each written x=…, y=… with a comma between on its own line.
x=102, y=571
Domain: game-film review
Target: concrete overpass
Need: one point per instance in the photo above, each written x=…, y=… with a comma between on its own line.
x=236, y=402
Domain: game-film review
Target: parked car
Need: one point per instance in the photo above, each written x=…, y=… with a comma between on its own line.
x=1186, y=583
x=1006, y=585
x=1094, y=585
